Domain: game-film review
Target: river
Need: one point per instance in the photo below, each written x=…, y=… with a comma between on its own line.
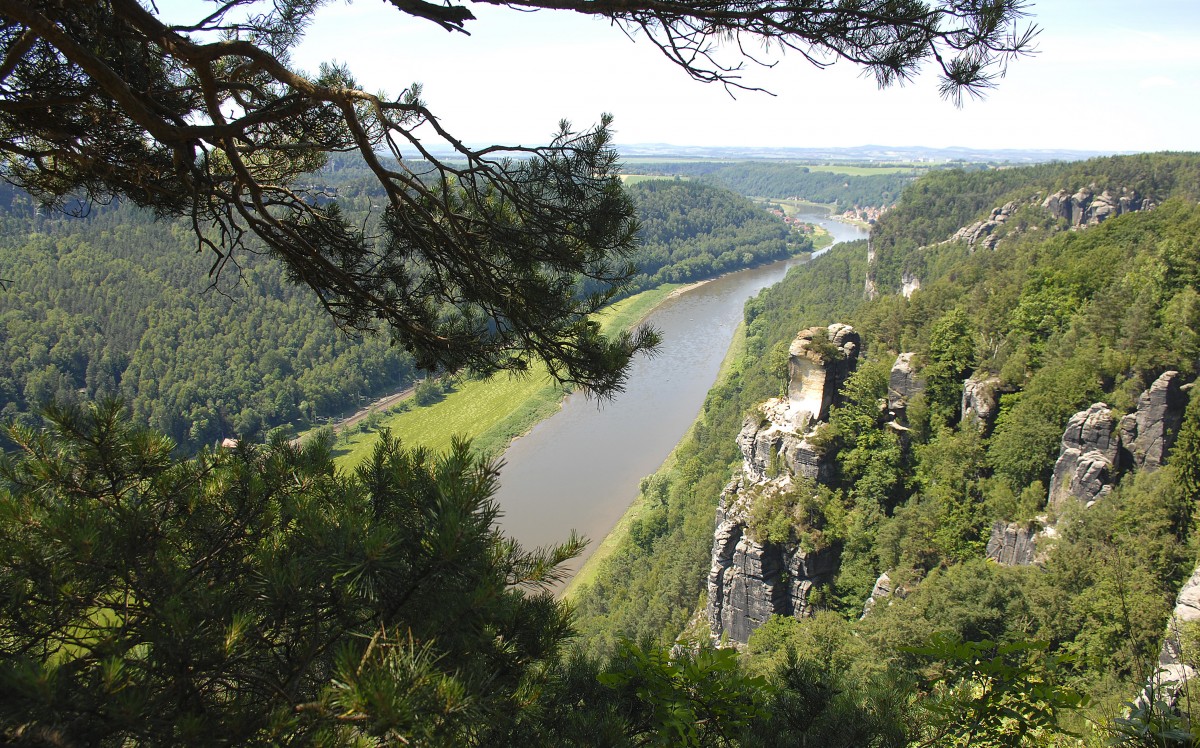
x=580, y=468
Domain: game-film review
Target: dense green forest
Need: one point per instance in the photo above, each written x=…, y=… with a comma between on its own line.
x=783, y=180
x=1063, y=319
x=115, y=303
x=272, y=545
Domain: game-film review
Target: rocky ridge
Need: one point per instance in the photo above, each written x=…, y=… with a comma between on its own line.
x=1087, y=206
x=750, y=578
x=981, y=233
x=1097, y=449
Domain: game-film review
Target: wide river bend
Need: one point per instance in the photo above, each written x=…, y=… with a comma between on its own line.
x=580, y=468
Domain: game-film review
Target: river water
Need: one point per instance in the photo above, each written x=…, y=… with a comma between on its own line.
x=580, y=468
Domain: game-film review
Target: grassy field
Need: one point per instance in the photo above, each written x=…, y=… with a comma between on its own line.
x=792, y=207
x=490, y=412
x=616, y=537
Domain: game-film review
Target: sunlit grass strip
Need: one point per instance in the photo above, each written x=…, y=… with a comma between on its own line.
x=490, y=412
x=619, y=535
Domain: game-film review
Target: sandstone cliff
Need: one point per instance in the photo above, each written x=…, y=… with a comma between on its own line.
x=1097, y=449
x=752, y=578
x=1177, y=657
x=1087, y=206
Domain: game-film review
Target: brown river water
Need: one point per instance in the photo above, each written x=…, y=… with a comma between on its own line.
x=580, y=468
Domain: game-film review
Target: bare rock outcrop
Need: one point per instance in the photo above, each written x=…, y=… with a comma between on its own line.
x=1096, y=449
x=980, y=403
x=883, y=592
x=909, y=284
x=1148, y=433
x=1016, y=543
x=819, y=360
x=1177, y=659
x=981, y=233
x=782, y=433
x=870, y=287
x=1086, y=466
x=903, y=384
x=1086, y=208
x=751, y=579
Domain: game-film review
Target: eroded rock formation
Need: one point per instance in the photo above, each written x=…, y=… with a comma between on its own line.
x=980, y=403
x=1015, y=543
x=1086, y=208
x=1177, y=658
x=903, y=384
x=751, y=578
x=883, y=592
x=819, y=360
x=1087, y=463
x=1096, y=449
x=980, y=233
x=1148, y=433
x=870, y=288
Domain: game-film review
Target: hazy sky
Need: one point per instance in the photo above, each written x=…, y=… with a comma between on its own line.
x=1110, y=75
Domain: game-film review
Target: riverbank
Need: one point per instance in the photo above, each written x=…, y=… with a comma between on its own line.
x=620, y=532
x=490, y=412
x=494, y=412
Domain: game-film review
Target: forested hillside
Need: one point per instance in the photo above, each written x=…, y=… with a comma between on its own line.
x=1055, y=318
x=692, y=231
x=782, y=180
x=115, y=303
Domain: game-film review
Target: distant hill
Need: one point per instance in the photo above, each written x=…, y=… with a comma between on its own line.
x=868, y=153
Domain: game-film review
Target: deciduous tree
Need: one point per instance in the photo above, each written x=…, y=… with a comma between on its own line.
x=478, y=258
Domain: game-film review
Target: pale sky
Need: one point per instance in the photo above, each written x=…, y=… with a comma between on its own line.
x=1110, y=75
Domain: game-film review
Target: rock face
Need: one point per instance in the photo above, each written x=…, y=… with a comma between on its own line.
x=980, y=233
x=1015, y=543
x=1087, y=463
x=1149, y=433
x=980, y=403
x=819, y=360
x=909, y=284
x=750, y=580
x=870, y=289
x=903, y=384
x=1175, y=663
x=1086, y=208
x=1096, y=449
x=882, y=593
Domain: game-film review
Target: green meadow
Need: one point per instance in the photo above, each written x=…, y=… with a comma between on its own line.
x=490, y=412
